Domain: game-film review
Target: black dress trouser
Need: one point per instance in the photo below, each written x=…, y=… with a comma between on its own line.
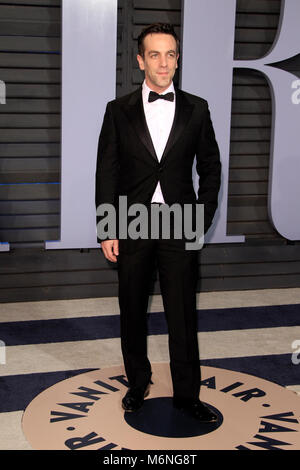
x=177, y=268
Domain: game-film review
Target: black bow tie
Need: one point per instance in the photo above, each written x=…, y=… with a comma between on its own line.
x=153, y=96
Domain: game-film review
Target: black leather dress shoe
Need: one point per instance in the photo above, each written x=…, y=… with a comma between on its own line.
x=196, y=409
x=134, y=398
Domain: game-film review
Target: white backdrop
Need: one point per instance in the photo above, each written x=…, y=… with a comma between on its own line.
x=89, y=81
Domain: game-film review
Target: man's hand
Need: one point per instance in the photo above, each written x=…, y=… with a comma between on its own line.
x=110, y=249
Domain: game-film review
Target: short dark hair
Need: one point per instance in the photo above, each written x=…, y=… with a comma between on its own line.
x=164, y=28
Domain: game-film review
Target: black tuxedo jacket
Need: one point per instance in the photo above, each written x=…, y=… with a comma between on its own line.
x=127, y=164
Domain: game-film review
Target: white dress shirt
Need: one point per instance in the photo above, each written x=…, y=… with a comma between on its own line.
x=159, y=117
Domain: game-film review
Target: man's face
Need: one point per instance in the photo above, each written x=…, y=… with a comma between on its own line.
x=159, y=61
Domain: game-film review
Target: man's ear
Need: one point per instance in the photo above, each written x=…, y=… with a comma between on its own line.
x=141, y=62
x=177, y=61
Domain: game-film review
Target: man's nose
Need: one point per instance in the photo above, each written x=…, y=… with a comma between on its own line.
x=163, y=61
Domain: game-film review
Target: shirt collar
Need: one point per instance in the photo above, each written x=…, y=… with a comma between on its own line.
x=146, y=90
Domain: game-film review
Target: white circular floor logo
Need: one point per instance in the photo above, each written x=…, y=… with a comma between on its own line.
x=84, y=412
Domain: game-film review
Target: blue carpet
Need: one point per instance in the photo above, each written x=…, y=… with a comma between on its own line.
x=17, y=391
x=103, y=327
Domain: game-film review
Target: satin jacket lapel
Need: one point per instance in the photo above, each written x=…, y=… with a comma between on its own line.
x=183, y=114
x=135, y=113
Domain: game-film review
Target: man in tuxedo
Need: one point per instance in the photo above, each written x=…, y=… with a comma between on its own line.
x=147, y=146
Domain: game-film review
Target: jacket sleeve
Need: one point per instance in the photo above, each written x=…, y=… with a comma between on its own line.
x=107, y=169
x=208, y=167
